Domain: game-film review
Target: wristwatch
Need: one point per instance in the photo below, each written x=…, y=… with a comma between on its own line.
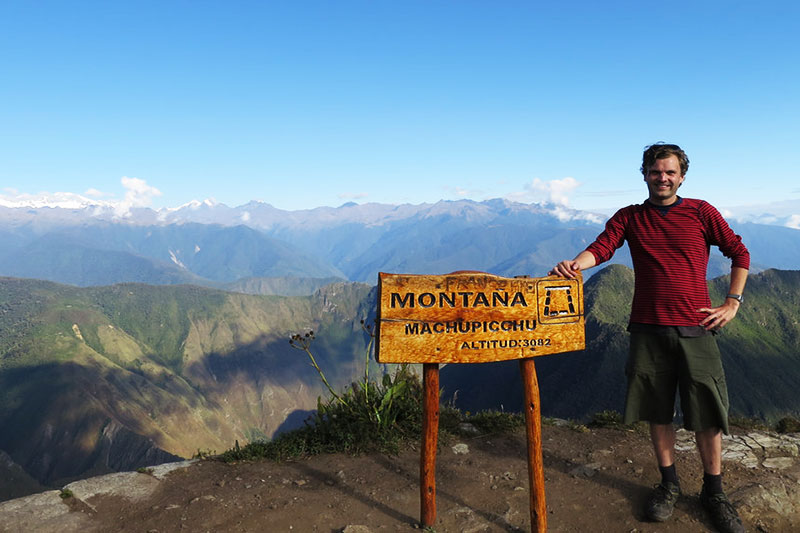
x=737, y=297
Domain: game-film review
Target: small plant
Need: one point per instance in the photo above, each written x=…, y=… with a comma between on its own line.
x=574, y=425
x=66, y=493
x=496, y=421
x=303, y=343
x=145, y=470
x=450, y=419
x=747, y=423
x=788, y=424
x=371, y=333
x=607, y=419
x=207, y=454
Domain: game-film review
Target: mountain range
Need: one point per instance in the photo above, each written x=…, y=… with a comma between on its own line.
x=213, y=245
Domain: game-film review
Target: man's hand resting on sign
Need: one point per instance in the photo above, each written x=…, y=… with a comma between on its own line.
x=571, y=268
x=566, y=269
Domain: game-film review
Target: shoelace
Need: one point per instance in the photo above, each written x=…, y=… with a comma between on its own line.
x=723, y=506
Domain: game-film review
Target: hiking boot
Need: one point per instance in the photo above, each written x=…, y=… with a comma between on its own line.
x=662, y=501
x=722, y=512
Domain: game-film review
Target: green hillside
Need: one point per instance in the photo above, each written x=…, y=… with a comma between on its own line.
x=107, y=378
x=761, y=347
x=761, y=354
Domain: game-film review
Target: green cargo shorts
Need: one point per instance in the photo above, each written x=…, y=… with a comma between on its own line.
x=659, y=364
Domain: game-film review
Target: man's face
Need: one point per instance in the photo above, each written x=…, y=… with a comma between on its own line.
x=663, y=179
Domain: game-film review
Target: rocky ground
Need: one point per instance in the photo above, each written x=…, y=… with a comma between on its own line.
x=596, y=480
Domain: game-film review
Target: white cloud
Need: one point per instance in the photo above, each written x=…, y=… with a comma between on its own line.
x=137, y=194
x=793, y=222
x=554, y=191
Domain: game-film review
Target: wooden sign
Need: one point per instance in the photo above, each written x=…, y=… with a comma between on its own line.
x=476, y=317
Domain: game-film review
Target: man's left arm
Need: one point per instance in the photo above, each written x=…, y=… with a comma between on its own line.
x=719, y=316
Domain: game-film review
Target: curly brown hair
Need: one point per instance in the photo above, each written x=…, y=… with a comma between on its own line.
x=662, y=150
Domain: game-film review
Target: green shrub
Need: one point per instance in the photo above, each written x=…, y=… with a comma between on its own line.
x=496, y=421
x=607, y=419
x=788, y=424
x=206, y=454
x=747, y=423
x=449, y=419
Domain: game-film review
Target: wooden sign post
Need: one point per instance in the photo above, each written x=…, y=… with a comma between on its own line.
x=473, y=317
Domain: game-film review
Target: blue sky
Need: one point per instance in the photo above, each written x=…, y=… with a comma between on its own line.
x=302, y=104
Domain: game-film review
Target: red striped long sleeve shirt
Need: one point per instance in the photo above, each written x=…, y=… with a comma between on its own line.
x=670, y=249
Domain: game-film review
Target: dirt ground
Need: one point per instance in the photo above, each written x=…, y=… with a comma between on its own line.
x=595, y=481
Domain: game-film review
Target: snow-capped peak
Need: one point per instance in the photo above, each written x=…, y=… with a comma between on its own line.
x=195, y=204
x=63, y=200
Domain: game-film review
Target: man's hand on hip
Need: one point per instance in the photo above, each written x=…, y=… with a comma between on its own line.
x=719, y=316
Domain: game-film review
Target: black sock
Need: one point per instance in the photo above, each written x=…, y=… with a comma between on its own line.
x=712, y=483
x=668, y=474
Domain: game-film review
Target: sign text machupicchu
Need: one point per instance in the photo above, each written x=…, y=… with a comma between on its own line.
x=476, y=317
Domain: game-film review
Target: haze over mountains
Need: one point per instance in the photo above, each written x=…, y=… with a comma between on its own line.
x=140, y=347
x=212, y=244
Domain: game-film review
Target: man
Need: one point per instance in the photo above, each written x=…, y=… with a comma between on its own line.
x=672, y=323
